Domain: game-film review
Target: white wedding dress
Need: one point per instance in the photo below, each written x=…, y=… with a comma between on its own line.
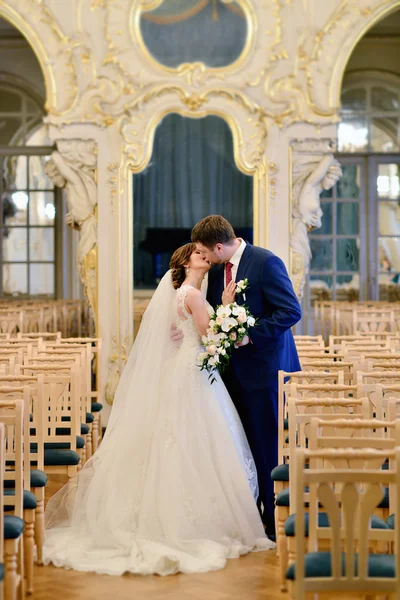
x=172, y=486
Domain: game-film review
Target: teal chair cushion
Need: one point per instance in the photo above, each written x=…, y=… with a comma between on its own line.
x=38, y=479
x=80, y=443
x=13, y=527
x=323, y=521
x=66, y=430
x=29, y=499
x=89, y=418
x=280, y=473
x=318, y=564
x=282, y=499
x=390, y=522
x=96, y=407
x=385, y=500
x=54, y=458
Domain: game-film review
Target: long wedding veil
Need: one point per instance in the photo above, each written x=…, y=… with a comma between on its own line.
x=126, y=444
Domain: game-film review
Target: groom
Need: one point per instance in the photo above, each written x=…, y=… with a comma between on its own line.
x=252, y=376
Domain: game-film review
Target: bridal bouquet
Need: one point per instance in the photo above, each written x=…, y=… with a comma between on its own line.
x=228, y=326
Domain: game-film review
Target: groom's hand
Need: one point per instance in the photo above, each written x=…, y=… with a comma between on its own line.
x=176, y=334
x=246, y=340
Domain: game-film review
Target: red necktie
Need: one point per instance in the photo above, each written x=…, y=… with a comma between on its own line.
x=228, y=272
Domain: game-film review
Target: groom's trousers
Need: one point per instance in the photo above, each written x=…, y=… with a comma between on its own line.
x=258, y=411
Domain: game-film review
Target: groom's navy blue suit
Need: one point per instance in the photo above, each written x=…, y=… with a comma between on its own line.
x=252, y=377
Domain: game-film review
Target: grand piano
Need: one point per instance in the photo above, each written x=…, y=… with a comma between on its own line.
x=162, y=241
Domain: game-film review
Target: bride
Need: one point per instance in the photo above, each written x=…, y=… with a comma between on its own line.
x=172, y=487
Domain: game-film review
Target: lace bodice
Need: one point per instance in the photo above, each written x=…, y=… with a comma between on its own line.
x=181, y=294
x=185, y=320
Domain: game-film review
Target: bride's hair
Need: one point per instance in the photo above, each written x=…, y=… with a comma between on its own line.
x=179, y=259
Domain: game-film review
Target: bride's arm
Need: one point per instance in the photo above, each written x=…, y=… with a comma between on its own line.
x=197, y=307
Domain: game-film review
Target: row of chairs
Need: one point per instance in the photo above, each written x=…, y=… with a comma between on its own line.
x=339, y=407
x=56, y=381
x=338, y=425
x=69, y=317
x=349, y=318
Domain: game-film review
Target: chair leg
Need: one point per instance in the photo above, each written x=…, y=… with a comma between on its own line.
x=89, y=445
x=282, y=546
x=10, y=569
x=39, y=523
x=29, y=548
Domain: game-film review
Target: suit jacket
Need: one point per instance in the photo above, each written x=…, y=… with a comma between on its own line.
x=271, y=299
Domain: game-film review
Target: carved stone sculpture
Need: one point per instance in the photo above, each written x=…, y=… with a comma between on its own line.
x=72, y=166
x=311, y=174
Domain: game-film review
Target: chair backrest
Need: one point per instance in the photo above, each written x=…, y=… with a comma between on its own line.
x=302, y=410
x=285, y=379
x=12, y=417
x=61, y=402
x=373, y=320
x=349, y=496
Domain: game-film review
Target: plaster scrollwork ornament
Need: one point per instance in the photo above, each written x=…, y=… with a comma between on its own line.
x=73, y=167
x=312, y=172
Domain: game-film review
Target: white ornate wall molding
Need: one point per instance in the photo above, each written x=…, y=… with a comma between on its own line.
x=40, y=26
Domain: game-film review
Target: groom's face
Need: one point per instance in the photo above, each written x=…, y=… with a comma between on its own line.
x=214, y=256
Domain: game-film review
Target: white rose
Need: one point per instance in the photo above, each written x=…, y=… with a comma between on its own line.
x=211, y=362
x=204, y=340
x=241, y=330
x=211, y=349
x=232, y=336
x=219, y=320
x=251, y=321
x=222, y=351
x=227, y=344
x=242, y=318
x=216, y=359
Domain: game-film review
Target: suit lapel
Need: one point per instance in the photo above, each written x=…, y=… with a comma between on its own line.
x=242, y=268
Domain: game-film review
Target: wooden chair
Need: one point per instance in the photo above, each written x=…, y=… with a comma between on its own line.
x=29, y=505
x=300, y=413
x=11, y=415
x=38, y=478
x=349, y=497
x=357, y=434
x=61, y=408
x=94, y=384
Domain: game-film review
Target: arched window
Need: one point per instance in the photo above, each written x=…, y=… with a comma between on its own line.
x=370, y=113
x=27, y=196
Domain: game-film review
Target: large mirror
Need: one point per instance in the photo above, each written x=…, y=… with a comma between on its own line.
x=210, y=31
x=192, y=174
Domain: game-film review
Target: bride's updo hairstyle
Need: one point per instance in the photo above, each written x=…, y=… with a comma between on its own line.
x=179, y=259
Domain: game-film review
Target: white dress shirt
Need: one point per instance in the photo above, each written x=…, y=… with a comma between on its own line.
x=235, y=260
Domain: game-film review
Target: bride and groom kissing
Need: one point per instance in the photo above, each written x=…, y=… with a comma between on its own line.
x=181, y=481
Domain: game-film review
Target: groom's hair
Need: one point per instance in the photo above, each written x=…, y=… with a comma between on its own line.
x=213, y=230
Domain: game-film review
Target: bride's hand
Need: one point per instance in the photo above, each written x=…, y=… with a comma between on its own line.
x=229, y=293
